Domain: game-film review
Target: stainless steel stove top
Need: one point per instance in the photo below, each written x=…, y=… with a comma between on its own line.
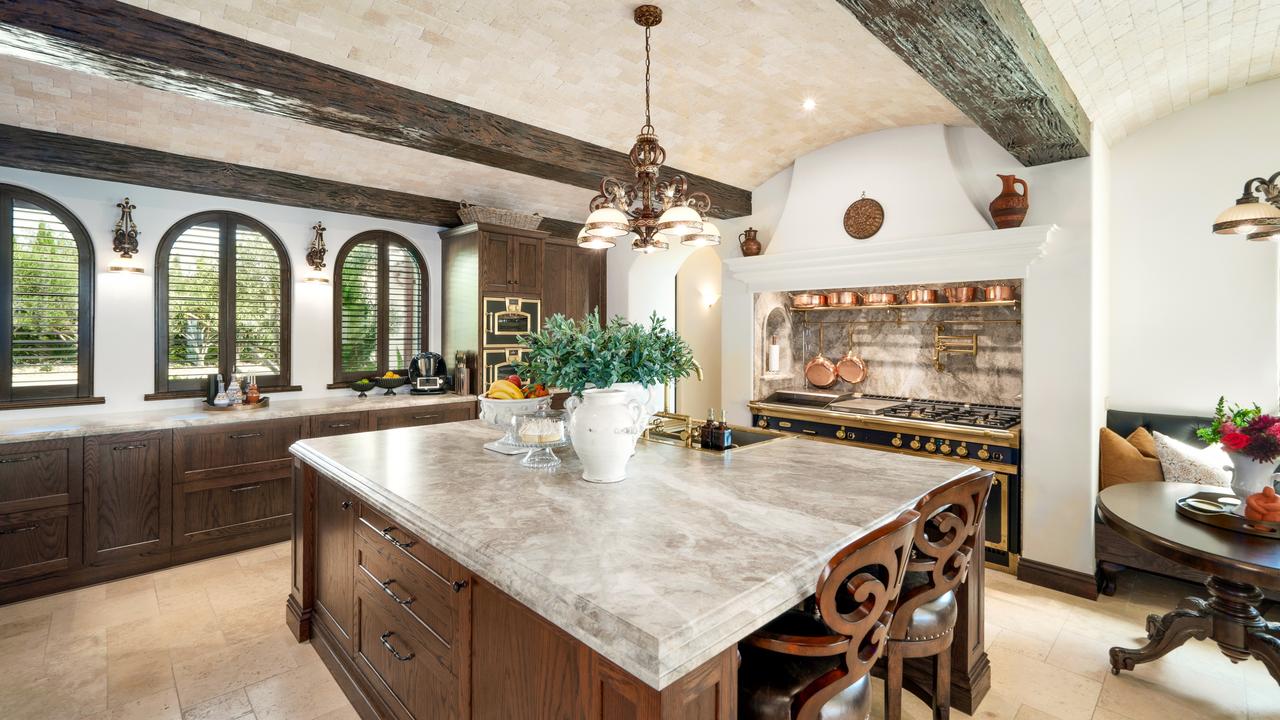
x=997, y=417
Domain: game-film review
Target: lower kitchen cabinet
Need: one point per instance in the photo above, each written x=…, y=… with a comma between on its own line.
x=40, y=474
x=128, y=509
x=425, y=415
x=392, y=654
x=335, y=581
x=209, y=510
x=36, y=542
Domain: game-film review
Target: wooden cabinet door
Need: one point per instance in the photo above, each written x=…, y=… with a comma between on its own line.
x=556, y=264
x=128, y=507
x=337, y=424
x=526, y=265
x=585, y=290
x=335, y=564
x=40, y=474
x=495, y=262
x=39, y=542
x=425, y=415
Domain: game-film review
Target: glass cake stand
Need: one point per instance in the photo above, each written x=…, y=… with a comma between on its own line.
x=540, y=454
x=550, y=424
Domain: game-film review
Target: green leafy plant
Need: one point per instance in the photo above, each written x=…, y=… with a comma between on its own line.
x=572, y=354
x=1228, y=419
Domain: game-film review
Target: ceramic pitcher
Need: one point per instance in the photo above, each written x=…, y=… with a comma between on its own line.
x=603, y=429
x=1009, y=208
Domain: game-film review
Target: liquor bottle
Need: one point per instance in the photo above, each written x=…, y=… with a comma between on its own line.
x=221, y=399
x=726, y=433
x=251, y=395
x=234, y=395
x=704, y=436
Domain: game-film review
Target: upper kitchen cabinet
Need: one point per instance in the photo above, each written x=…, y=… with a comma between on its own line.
x=510, y=260
x=573, y=281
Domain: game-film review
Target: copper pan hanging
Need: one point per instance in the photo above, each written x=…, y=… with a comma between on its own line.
x=851, y=368
x=819, y=372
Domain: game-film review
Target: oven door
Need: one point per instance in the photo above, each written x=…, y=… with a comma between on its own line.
x=506, y=320
x=498, y=363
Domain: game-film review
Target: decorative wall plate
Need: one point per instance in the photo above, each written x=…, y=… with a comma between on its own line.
x=863, y=218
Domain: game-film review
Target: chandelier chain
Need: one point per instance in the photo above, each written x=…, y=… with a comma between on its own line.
x=647, y=120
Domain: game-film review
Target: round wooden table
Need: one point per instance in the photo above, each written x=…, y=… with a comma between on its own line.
x=1237, y=564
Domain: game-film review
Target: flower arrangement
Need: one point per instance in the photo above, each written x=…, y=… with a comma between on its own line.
x=572, y=354
x=1244, y=430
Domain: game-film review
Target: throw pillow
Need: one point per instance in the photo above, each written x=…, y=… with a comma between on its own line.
x=1121, y=462
x=1185, y=463
x=1142, y=440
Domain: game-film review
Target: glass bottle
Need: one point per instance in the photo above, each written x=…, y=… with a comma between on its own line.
x=251, y=395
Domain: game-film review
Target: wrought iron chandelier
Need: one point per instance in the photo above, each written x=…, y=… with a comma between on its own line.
x=650, y=211
x=1256, y=214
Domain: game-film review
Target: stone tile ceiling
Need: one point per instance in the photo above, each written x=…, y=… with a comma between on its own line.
x=729, y=75
x=1131, y=62
x=47, y=98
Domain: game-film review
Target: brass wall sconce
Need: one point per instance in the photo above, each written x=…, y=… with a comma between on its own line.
x=124, y=241
x=1256, y=214
x=315, y=257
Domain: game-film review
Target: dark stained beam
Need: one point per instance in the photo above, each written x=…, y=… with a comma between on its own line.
x=986, y=57
x=83, y=157
x=118, y=41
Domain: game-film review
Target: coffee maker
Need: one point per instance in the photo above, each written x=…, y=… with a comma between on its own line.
x=427, y=374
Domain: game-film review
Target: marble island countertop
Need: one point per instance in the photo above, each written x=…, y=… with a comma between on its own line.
x=658, y=573
x=30, y=429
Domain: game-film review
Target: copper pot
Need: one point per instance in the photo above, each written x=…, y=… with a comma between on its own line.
x=880, y=298
x=851, y=368
x=961, y=294
x=819, y=371
x=922, y=296
x=806, y=301
x=842, y=298
x=993, y=293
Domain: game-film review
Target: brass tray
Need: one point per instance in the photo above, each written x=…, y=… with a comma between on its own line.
x=1205, y=507
x=262, y=402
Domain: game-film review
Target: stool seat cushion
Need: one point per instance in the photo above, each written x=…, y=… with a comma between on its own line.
x=769, y=682
x=933, y=619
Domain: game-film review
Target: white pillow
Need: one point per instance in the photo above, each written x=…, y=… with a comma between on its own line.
x=1186, y=463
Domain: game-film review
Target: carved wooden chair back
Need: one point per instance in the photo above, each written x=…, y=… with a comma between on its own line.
x=944, y=542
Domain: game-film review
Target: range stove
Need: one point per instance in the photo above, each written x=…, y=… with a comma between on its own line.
x=988, y=436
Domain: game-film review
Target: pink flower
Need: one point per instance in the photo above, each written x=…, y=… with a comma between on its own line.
x=1274, y=431
x=1228, y=427
x=1235, y=441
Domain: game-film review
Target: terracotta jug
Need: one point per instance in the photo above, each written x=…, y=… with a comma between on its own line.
x=748, y=242
x=1009, y=208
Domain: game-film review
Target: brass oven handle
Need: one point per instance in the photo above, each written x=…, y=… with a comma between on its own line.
x=245, y=488
x=243, y=436
x=24, y=458
x=386, y=535
x=17, y=531
x=387, y=645
x=386, y=588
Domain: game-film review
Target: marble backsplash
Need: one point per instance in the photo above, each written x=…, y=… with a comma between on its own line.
x=899, y=355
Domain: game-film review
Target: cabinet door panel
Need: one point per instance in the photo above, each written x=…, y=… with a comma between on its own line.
x=335, y=511
x=39, y=474
x=227, y=445
x=128, y=506
x=556, y=279
x=210, y=509
x=526, y=265
x=425, y=415
x=390, y=652
x=495, y=262
x=338, y=424
x=39, y=542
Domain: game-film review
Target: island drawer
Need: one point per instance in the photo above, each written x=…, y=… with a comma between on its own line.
x=379, y=530
x=40, y=474
x=392, y=655
x=240, y=444
x=206, y=510
x=39, y=542
x=338, y=424
x=412, y=591
x=424, y=415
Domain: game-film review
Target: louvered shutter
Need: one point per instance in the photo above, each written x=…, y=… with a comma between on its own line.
x=194, y=305
x=258, y=307
x=45, y=304
x=404, y=306
x=358, y=326
x=380, y=306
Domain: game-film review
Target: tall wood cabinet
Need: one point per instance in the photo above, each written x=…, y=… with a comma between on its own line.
x=573, y=281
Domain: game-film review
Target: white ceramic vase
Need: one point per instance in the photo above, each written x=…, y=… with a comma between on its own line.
x=648, y=397
x=1248, y=476
x=603, y=429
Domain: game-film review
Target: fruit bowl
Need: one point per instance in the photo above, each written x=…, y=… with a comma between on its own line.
x=500, y=413
x=362, y=386
x=389, y=384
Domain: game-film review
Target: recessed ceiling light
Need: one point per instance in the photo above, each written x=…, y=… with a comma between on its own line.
x=809, y=104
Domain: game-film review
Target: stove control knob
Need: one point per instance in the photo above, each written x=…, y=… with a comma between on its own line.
x=931, y=446
x=762, y=422
x=840, y=433
x=945, y=449
x=915, y=444
x=896, y=441
x=984, y=453
x=962, y=451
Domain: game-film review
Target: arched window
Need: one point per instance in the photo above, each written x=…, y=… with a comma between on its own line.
x=379, y=306
x=46, y=328
x=222, y=304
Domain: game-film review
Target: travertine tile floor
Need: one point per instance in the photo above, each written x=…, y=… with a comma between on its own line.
x=207, y=641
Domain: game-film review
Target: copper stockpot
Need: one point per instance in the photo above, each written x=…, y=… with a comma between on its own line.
x=993, y=293
x=880, y=298
x=961, y=294
x=805, y=301
x=922, y=296
x=842, y=298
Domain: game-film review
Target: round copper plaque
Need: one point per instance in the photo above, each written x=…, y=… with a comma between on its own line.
x=863, y=218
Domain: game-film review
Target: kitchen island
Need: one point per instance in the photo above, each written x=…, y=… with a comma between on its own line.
x=442, y=580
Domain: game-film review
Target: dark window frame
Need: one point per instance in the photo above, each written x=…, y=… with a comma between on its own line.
x=11, y=398
x=227, y=222
x=383, y=239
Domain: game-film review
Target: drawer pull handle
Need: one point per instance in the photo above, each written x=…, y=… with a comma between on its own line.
x=458, y=585
x=394, y=654
x=340, y=425
x=243, y=436
x=121, y=448
x=386, y=588
x=24, y=458
x=246, y=488
x=426, y=417
x=386, y=535
x=20, y=530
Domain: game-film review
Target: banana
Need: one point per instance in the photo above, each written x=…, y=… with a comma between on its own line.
x=505, y=390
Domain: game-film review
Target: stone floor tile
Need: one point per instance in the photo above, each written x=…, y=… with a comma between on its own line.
x=301, y=694
x=1044, y=687
x=231, y=706
x=162, y=705
x=236, y=666
x=1162, y=690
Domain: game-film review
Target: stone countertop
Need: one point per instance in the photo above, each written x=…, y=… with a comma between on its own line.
x=28, y=430
x=658, y=573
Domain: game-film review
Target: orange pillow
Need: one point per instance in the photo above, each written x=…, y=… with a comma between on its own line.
x=1120, y=461
x=1144, y=441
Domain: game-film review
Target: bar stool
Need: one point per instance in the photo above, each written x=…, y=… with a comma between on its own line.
x=926, y=618
x=815, y=662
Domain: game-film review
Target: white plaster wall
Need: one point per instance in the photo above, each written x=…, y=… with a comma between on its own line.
x=124, y=309
x=698, y=322
x=1193, y=314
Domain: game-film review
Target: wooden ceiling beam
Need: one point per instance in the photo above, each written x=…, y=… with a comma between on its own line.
x=986, y=57
x=28, y=149
x=118, y=41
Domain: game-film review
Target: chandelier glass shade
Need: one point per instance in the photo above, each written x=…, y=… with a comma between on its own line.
x=592, y=242
x=1256, y=214
x=649, y=210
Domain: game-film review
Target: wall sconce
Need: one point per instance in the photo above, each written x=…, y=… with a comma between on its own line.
x=1256, y=214
x=124, y=241
x=315, y=257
